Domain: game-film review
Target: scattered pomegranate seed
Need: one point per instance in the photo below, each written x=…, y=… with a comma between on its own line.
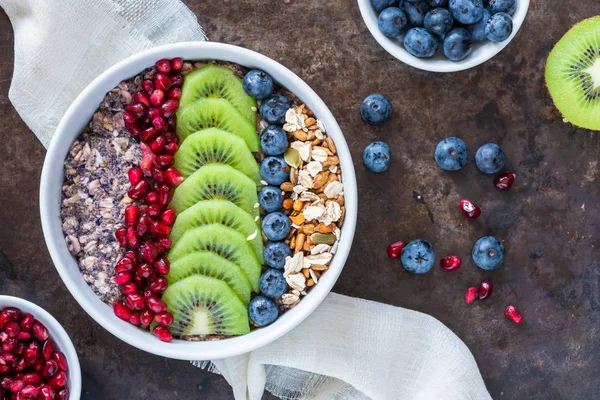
x=149, y=134
x=23, y=336
x=128, y=288
x=160, y=125
x=163, y=333
x=39, y=331
x=158, y=285
x=145, y=271
x=16, y=386
x=148, y=86
x=451, y=263
x=394, y=250
x=122, y=278
x=149, y=252
x=485, y=289
x=154, y=211
x=159, y=176
x=165, y=242
x=50, y=369
x=173, y=176
x=169, y=108
x=58, y=381
x=168, y=217
x=121, y=311
x=135, y=319
x=125, y=264
x=471, y=295
x=137, y=110
x=158, y=229
x=505, y=181
x=47, y=392
x=174, y=94
x=47, y=349
x=151, y=197
x=163, y=66
x=12, y=329
x=62, y=394
x=164, y=318
x=128, y=118
x=135, y=302
x=512, y=314
x=147, y=158
x=162, y=82
x=121, y=236
x=469, y=209
x=162, y=266
x=164, y=160
x=132, y=239
x=158, y=144
x=146, y=317
x=170, y=136
x=141, y=97
x=171, y=148
x=157, y=97
x=177, y=81
x=138, y=191
x=132, y=214
x=26, y=323
x=32, y=354
x=135, y=175
x=176, y=64
x=32, y=378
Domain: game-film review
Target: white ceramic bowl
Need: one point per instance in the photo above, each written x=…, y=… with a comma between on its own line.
x=79, y=114
x=482, y=51
x=57, y=334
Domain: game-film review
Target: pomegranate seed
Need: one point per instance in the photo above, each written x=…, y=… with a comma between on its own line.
x=4, y=318
x=147, y=158
x=4, y=369
x=162, y=82
x=128, y=288
x=394, y=250
x=132, y=214
x=169, y=108
x=135, y=175
x=58, y=381
x=32, y=378
x=5, y=383
x=47, y=392
x=135, y=302
x=146, y=317
x=134, y=130
x=158, y=144
x=177, y=81
x=12, y=329
x=128, y=118
x=485, y=289
x=160, y=125
x=163, y=66
x=162, y=266
x=16, y=386
x=165, y=318
x=62, y=394
x=32, y=354
x=138, y=191
x=469, y=209
x=141, y=97
x=26, y=323
x=450, y=263
x=173, y=176
x=168, y=217
x=471, y=295
x=9, y=344
x=153, y=112
x=14, y=312
x=157, y=97
x=156, y=305
x=135, y=319
x=154, y=211
x=23, y=336
x=139, y=281
x=39, y=331
x=158, y=229
x=159, y=176
x=164, y=160
x=132, y=239
x=170, y=136
x=164, y=242
x=176, y=64
x=22, y=365
x=121, y=236
x=48, y=349
x=158, y=285
x=149, y=252
x=7, y=358
x=174, y=94
x=163, y=333
x=151, y=198
x=505, y=181
x=125, y=265
x=142, y=226
x=137, y=110
x=171, y=148
x=512, y=314
x=148, y=86
x=149, y=134
x=144, y=271
x=121, y=311
x=122, y=278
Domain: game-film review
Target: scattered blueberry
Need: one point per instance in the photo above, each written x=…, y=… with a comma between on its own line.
x=392, y=22
x=490, y=158
x=380, y=5
x=415, y=11
x=439, y=21
x=478, y=29
x=418, y=256
x=274, y=108
x=270, y=198
x=274, y=170
x=276, y=226
x=438, y=3
x=258, y=84
x=273, y=284
x=377, y=157
x=466, y=11
x=273, y=141
x=275, y=254
x=451, y=154
x=505, y=6
x=262, y=311
x=488, y=253
x=458, y=44
x=375, y=109
x=420, y=43
x=499, y=27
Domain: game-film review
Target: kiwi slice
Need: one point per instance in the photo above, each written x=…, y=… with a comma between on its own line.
x=215, y=146
x=217, y=182
x=216, y=113
x=573, y=74
x=226, y=242
x=217, y=82
x=205, y=306
x=219, y=212
x=212, y=265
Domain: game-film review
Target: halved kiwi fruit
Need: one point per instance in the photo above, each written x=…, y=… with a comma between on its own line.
x=217, y=82
x=216, y=113
x=212, y=265
x=215, y=146
x=219, y=212
x=226, y=242
x=217, y=182
x=573, y=74
x=205, y=306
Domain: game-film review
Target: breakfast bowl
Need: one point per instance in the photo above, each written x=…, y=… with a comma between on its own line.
x=58, y=348
x=202, y=56
x=482, y=50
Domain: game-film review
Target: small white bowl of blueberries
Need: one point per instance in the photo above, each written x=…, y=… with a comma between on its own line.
x=443, y=35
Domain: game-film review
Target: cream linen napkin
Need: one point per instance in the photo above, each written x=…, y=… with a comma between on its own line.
x=348, y=348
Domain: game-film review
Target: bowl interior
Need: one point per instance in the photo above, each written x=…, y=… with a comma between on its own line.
x=57, y=334
x=76, y=118
x=482, y=51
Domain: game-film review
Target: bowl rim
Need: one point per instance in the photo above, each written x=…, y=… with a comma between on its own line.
x=369, y=16
x=51, y=225
x=57, y=334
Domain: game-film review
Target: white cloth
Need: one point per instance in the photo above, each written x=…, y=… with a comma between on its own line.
x=348, y=348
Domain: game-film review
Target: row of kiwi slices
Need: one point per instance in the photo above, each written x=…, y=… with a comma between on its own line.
x=217, y=252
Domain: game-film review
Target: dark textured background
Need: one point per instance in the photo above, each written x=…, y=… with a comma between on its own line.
x=549, y=221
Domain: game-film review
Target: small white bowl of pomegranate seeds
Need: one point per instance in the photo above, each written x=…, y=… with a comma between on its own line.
x=37, y=358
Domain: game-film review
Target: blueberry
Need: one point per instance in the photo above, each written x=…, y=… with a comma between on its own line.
x=377, y=157
x=273, y=141
x=499, y=27
x=258, y=84
x=275, y=254
x=458, y=44
x=270, y=198
x=418, y=256
x=439, y=21
x=392, y=22
x=478, y=29
x=274, y=108
x=490, y=158
x=273, y=284
x=274, y=170
x=505, y=6
x=451, y=154
x=262, y=311
x=276, y=226
x=488, y=253
x=466, y=11
x=415, y=11
x=375, y=109
x=379, y=5
x=420, y=43
x=438, y=3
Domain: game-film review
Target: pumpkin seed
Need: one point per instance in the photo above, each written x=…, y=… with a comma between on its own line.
x=323, y=238
x=292, y=157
